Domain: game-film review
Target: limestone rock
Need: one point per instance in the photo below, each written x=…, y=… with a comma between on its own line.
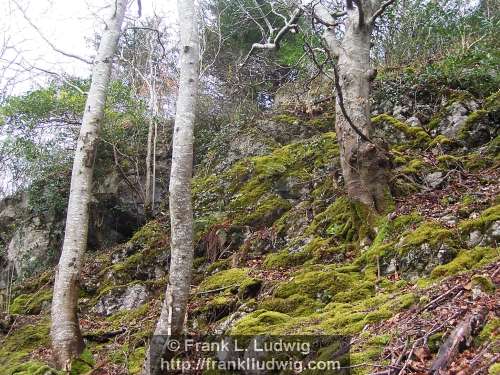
x=119, y=299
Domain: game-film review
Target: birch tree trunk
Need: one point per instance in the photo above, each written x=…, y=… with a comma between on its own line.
x=172, y=317
x=67, y=341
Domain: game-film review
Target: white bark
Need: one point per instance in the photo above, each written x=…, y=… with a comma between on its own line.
x=172, y=317
x=65, y=331
x=364, y=165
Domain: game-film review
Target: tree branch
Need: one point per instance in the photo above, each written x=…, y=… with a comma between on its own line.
x=67, y=54
x=274, y=43
x=361, y=13
x=323, y=15
x=380, y=11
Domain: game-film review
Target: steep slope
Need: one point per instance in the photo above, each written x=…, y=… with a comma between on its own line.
x=280, y=249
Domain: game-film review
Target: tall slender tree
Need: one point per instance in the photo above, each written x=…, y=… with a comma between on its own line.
x=67, y=340
x=172, y=317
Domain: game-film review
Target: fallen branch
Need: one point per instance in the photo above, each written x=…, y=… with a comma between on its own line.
x=441, y=298
x=104, y=336
x=218, y=289
x=461, y=335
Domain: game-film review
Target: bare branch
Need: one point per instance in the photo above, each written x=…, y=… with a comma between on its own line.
x=270, y=27
x=380, y=11
x=361, y=13
x=275, y=43
x=67, y=54
x=324, y=16
x=156, y=31
x=139, y=8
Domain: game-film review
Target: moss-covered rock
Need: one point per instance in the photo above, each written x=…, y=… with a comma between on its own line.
x=27, y=304
x=412, y=132
x=466, y=260
x=260, y=321
x=237, y=280
x=15, y=349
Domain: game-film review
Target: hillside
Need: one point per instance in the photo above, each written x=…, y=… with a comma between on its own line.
x=281, y=250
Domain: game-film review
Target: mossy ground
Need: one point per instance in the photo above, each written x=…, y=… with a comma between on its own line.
x=321, y=261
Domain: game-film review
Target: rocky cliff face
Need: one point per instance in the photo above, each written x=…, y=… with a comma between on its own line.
x=280, y=249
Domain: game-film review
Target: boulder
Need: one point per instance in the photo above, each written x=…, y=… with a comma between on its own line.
x=434, y=179
x=119, y=299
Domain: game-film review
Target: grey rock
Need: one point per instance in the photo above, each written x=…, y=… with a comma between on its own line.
x=134, y=296
x=475, y=238
x=392, y=267
x=434, y=179
x=27, y=249
x=494, y=231
x=414, y=121
x=453, y=122
x=449, y=220
x=445, y=254
x=119, y=299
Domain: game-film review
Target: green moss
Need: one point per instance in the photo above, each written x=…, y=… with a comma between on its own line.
x=482, y=222
x=448, y=161
x=286, y=119
x=492, y=102
x=219, y=265
x=152, y=234
x=484, y=283
x=361, y=291
x=470, y=122
x=260, y=321
x=414, y=166
x=323, y=284
x=235, y=279
x=494, y=369
x=284, y=258
x=466, y=260
x=32, y=368
x=435, y=342
x=136, y=361
x=30, y=304
x=441, y=140
x=83, y=364
x=404, y=301
x=475, y=161
x=267, y=210
x=490, y=331
x=16, y=348
x=295, y=305
x=338, y=220
x=128, y=317
x=429, y=232
x=378, y=315
x=416, y=132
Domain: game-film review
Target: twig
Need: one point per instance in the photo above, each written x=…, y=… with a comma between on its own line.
x=218, y=289
x=441, y=298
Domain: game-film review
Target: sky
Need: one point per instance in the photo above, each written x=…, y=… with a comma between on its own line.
x=68, y=25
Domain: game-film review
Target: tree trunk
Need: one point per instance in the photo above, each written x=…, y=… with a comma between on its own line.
x=147, y=188
x=150, y=183
x=172, y=317
x=67, y=341
x=364, y=165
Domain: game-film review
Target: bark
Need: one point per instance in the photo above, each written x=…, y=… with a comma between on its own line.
x=147, y=187
x=149, y=183
x=364, y=164
x=172, y=317
x=67, y=341
x=458, y=339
